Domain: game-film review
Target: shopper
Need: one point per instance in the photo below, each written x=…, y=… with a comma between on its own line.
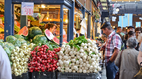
x=119, y=31
x=130, y=34
x=129, y=65
x=113, y=45
x=137, y=34
x=130, y=28
x=5, y=68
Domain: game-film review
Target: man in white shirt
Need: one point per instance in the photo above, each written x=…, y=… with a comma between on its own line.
x=5, y=68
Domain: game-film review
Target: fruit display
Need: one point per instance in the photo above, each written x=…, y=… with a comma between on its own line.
x=39, y=39
x=23, y=31
x=20, y=57
x=43, y=59
x=79, y=56
x=33, y=31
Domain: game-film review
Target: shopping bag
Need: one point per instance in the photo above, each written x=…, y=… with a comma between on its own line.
x=139, y=74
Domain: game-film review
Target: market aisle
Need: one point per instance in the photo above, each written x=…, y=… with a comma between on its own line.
x=104, y=73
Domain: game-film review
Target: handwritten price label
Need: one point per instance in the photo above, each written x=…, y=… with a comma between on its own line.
x=27, y=8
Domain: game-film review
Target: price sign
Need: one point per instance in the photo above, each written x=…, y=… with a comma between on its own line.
x=27, y=8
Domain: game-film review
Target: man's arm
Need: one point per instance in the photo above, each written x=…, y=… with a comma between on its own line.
x=140, y=57
x=114, y=55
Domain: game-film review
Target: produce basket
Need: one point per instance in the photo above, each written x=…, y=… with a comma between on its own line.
x=43, y=75
x=23, y=76
x=78, y=75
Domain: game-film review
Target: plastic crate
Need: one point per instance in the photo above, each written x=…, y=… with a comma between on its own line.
x=43, y=75
x=78, y=76
x=23, y=76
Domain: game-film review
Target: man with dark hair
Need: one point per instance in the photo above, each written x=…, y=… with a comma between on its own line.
x=130, y=28
x=119, y=30
x=112, y=47
x=137, y=31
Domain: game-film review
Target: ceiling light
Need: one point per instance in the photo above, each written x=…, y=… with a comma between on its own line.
x=116, y=1
x=66, y=21
x=43, y=6
x=129, y=0
x=122, y=1
x=117, y=9
x=47, y=18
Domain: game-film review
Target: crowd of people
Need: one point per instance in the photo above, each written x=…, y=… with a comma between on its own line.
x=122, y=51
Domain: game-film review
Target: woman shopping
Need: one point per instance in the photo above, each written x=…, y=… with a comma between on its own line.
x=128, y=64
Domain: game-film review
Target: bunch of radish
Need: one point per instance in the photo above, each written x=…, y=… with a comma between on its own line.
x=82, y=57
x=20, y=57
x=43, y=59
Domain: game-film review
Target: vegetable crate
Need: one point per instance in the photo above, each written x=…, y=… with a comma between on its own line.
x=23, y=76
x=78, y=75
x=43, y=75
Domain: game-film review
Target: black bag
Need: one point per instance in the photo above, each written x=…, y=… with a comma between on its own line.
x=139, y=74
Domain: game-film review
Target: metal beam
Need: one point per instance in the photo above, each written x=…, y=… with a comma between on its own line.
x=39, y=1
x=61, y=24
x=71, y=23
x=8, y=18
x=123, y=2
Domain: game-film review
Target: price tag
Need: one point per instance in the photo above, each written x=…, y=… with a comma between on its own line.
x=27, y=8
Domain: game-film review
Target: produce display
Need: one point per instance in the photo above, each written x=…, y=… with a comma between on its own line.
x=23, y=31
x=33, y=31
x=20, y=57
x=79, y=55
x=43, y=59
x=39, y=39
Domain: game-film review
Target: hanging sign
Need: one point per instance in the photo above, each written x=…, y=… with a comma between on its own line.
x=27, y=8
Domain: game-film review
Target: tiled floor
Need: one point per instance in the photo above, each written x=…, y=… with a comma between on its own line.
x=104, y=73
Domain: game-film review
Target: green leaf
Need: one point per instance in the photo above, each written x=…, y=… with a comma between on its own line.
x=69, y=63
x=93, y=53
x=86, y=52
x=76, y=46
x=77, y=59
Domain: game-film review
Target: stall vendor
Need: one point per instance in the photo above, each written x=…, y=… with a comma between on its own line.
x=51, y=27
